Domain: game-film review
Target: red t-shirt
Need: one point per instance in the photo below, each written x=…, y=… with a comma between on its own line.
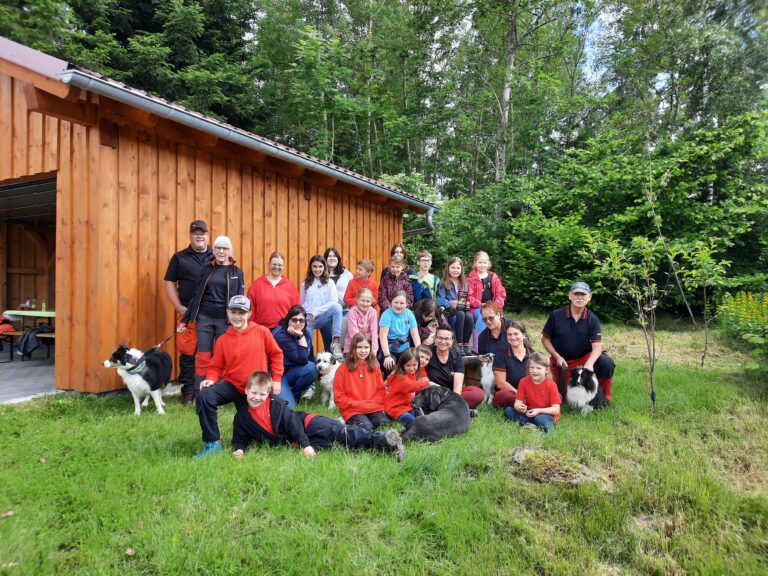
x=260, y=415
x=542, y=395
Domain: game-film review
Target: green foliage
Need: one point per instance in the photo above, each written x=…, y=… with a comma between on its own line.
x=744, y=315
x=71, y=464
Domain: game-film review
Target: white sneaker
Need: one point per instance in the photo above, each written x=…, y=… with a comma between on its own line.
x=337, y=352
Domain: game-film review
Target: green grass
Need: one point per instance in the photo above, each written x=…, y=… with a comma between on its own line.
x=682, y=491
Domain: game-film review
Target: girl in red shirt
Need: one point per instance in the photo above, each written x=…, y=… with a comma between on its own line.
x=402, y=385
x=538, y=401
x=358, y=388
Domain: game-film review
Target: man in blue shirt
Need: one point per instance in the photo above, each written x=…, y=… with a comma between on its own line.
x=572, y=337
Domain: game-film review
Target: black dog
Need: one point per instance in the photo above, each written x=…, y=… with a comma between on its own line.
x=445, y=414
x=584, y=393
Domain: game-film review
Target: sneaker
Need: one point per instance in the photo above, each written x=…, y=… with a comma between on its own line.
x=472, y=413
x=187, y=399
x=210, y=449
x=337, y=352
x=393, y=440
x=529, y=426
x=309, y=393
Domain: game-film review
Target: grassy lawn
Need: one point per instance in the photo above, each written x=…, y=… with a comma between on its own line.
x=95, y=490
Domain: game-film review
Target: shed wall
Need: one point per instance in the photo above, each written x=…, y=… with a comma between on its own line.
x=123, y=208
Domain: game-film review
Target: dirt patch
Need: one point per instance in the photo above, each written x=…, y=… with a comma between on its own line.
x=553, y=466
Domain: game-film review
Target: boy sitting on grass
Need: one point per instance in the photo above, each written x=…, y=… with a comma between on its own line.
x=267, y=419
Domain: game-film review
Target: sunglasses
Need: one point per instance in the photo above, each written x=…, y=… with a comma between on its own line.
x=487, y=319
x=297, y=320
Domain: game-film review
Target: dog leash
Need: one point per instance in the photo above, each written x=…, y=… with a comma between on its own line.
x=140, y=363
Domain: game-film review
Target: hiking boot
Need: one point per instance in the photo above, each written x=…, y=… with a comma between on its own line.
x=187, y=399
x=529, y=426
x=210, y=449
x=393, y=440
x=337, y=352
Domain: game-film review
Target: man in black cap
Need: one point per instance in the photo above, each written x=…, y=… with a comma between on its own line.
x=181, y=279
x=572, y=337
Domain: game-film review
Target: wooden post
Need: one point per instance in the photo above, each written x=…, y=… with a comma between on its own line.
x=3, y=267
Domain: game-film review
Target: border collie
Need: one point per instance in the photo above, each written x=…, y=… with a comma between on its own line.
x=145, y=379
x=584, y=393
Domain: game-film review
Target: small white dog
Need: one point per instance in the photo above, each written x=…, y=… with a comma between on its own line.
x=326, y=367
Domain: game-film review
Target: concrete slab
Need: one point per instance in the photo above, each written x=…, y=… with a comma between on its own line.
x=24, y=380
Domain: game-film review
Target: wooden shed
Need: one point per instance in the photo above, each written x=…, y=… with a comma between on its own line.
x=98, y=185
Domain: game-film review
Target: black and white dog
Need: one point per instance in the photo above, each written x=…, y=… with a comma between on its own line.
x=584, y=393
x=445, y=414
x=144, y=373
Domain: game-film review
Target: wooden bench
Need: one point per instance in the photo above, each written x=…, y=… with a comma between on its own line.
x=46, y=338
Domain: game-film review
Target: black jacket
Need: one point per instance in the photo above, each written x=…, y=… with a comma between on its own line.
x=235, y=287
x=287, y=424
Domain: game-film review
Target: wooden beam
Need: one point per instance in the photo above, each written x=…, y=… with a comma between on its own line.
x=240, y=153
x=126, y=115
x=79, y=112
x=3, y=266
x=28, y=271
x=36, y=238
x=320, y=179
x=109, y=134
x=397, y=204
x=287, y=168
x=185, y=135
x=54, y=87
x=347, y=188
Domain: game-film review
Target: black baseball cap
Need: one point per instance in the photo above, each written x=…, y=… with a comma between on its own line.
x=198, y=224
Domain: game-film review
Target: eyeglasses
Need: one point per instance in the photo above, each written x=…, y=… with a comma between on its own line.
x=221, y=248
x=297, y=320
x=199, y=234
x=487, y=319
x=444, y=338
x=425, y=259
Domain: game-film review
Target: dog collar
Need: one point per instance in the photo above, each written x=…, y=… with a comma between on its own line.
x=137, y=369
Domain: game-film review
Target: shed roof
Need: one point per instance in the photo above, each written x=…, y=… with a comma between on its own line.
x=67, y=73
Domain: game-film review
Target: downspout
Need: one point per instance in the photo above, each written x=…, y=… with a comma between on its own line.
x=429, y=228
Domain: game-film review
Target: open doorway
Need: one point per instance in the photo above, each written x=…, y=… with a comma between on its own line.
x=27, y=281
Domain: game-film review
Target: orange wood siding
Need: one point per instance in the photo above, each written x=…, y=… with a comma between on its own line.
x=123, y=209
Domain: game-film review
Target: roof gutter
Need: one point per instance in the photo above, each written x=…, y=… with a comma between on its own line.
x=164, y=110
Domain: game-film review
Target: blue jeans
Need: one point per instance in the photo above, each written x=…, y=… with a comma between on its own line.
x=329, y=324
x=295, y=381
x=543, y=421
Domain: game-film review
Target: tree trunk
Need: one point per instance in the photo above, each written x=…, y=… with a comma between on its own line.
x=503, y=137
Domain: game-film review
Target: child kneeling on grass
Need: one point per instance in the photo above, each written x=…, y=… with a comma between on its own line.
x=538, y=402
x=269, y=420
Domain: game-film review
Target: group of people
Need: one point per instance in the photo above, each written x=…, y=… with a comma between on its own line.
x=408, y=330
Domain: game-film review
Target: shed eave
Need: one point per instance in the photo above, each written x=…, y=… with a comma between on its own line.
x=173, y=113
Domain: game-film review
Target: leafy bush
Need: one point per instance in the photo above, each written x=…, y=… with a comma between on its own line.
x=745, y=316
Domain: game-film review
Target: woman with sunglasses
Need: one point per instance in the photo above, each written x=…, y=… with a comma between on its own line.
x=508, y=340
x=218, y=282
x=295, y=340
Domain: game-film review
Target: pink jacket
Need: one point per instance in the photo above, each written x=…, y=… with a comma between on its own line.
x=368, y=323
x=475, y=285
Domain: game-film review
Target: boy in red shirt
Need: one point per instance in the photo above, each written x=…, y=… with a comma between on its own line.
x=269, y=420
x=244, y=348
x=538, y=402
x=362, y=279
